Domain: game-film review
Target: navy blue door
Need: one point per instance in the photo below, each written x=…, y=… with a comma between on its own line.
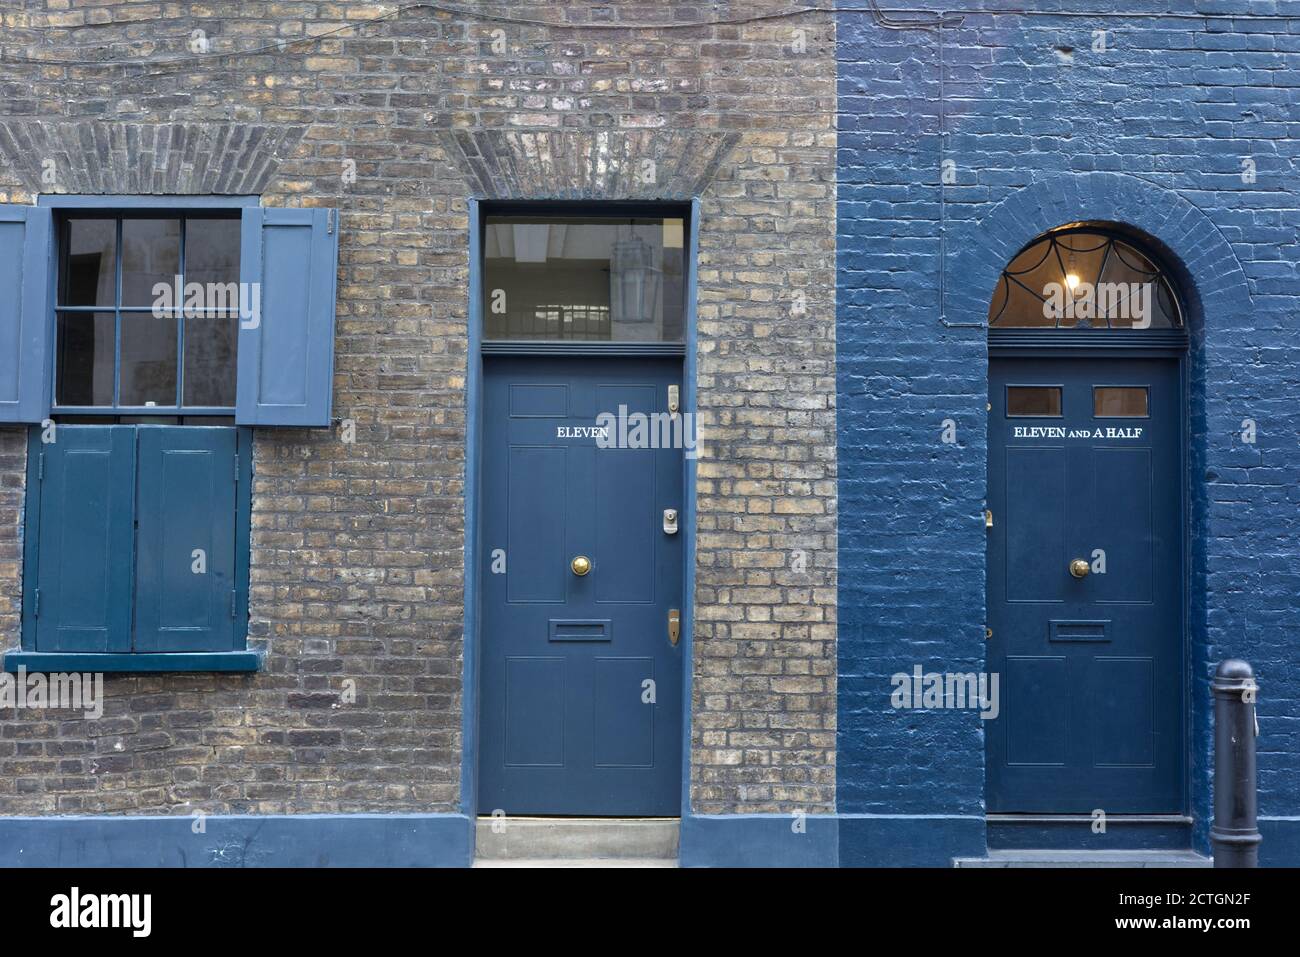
x=581, y=683
x=1085, y=571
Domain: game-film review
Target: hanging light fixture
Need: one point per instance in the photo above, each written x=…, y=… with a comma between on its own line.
x=1072, y=280
x=634, y=280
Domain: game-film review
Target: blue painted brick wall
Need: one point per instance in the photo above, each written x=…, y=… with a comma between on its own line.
x=1155, y=128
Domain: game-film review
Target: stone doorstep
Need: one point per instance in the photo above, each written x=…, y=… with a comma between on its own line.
x=557, y=839
x=579, y=862
x=1050, y=858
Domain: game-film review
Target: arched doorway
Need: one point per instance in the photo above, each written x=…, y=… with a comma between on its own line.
x=1086, y=530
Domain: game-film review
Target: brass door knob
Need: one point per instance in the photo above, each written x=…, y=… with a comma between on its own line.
x=580, y=565
x=1079, y=568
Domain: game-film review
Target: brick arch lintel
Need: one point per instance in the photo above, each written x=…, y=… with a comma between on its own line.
x=590, y=164
x=106, y=157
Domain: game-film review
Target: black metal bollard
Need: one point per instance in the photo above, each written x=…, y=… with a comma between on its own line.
x=1235, y=834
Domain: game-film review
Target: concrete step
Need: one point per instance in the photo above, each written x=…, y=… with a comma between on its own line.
x=576, y=839
x=1051, y=858
x=579, y=862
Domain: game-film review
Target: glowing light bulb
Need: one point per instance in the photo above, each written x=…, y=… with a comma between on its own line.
x=1072, y=282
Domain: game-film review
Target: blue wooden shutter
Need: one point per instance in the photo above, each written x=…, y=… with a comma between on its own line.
x=86, y=517
x=286, y=348
x=185, y=559
x=25, y=280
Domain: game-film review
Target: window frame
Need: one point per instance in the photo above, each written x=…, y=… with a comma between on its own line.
x=1144, y=386
x=1060, y=395
x=128, y=207
x=289, y=257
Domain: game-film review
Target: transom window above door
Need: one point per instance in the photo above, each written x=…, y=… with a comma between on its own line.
x=584, y=278
x=1085, y=277
x=147, y=313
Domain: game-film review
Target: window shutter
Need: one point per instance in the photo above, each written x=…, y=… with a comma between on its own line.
x=286, y=345
x=185, y=553
x=86, y=483
x=25, y=259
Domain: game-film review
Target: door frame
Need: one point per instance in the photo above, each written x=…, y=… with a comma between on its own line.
x=1171, y=344
x=479, y=208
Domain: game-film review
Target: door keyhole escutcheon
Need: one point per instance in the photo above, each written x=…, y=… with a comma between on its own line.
x=1079, y=568
x=581, y=564
x=674, y=626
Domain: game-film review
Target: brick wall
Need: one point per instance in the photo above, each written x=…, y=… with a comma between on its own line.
x=357, y=548
x=1043, y=127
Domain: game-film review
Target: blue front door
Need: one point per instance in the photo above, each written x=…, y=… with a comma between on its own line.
x=1085, y=571
x=581, y=680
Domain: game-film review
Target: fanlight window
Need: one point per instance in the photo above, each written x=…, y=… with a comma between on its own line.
x=1081, y=279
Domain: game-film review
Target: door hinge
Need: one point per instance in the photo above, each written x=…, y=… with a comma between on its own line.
x=234, y=602
x=36, y=603
x=674, y=399
x=40, y=467
x=236, y=476
x=329, y=221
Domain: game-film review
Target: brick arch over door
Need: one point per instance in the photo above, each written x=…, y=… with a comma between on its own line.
x=586, y=164
x=1213, y=283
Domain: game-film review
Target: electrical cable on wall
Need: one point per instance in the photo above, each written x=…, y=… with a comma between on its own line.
x=886, y=20
x=896, y=19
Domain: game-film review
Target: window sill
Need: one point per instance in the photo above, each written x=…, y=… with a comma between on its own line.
x=175, y=661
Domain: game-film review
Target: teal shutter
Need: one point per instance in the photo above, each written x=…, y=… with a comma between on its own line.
x=86, y=513
x=25, y=281
x=289, y=267
x=185, y=560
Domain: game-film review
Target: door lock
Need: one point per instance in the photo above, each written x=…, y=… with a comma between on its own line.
x=670, y=521
x=1079, y=568
x=674, y=626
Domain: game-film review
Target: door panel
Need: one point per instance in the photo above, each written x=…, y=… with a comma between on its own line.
x=534, y=711
x=626, y=532
x=534, y=535
x=1124, y=481
x=1036, y=528
x=1092, y=667
x=581, y=688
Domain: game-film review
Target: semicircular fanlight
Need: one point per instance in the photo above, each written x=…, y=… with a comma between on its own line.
x=1084, y=278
